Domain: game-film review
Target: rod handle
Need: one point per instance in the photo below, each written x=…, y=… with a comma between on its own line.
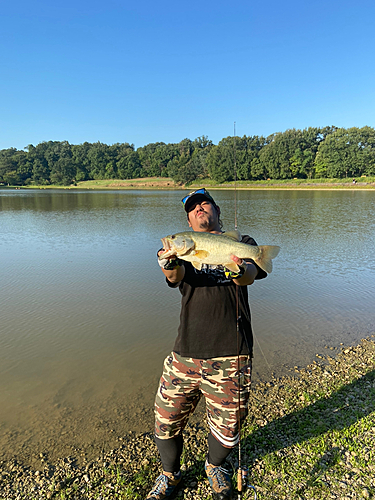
x=239, y=480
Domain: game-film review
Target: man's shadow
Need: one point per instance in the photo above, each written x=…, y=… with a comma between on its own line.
x=340, y=410
x=337, y=412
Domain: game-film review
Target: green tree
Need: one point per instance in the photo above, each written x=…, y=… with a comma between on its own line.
x=40, y=172
x=82, y=161
x=60, y=162
x=63, y=171
x=14, y=168
x=248, y=156
x=149, y=160
x=289, y=154
x=129, y=165
x=220, y=160
x=184, y=170
x=162, y=156
x=185, y=174
x=346, y=153
x=11, y=178
x=202, y=142
x=303, y=159
x=236, y=153
x=99, y=156
x=258, y=170
x=36, y=158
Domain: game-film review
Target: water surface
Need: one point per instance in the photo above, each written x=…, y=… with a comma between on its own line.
x=86, y=318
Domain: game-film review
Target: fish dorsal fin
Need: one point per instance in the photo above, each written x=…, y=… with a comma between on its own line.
x=197, y=265
x=233, y=235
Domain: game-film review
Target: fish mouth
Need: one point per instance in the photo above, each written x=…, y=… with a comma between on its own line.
x=168, y=249
x=166, y=244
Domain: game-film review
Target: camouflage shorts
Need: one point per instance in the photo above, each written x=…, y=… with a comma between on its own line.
x=185, y=380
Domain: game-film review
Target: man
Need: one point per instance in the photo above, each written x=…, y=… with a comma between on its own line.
x=205, y=357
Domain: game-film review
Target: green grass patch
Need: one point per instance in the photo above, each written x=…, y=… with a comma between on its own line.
x=168, y=183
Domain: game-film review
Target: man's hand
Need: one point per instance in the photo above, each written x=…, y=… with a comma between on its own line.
x=169, y=264
x=172, y=267
x=236, y=274
x=246, y=274
x=237, y=260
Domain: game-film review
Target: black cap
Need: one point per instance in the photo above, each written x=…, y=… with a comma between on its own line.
x=195, y=197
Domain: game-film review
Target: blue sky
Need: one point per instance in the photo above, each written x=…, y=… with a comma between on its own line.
x=147, y=71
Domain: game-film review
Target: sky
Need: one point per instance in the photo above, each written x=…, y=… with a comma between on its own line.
x=160, y=71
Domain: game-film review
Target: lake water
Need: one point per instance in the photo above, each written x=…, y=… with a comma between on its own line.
x=86, y=318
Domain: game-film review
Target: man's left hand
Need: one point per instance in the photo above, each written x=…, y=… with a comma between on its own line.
x=242, y=268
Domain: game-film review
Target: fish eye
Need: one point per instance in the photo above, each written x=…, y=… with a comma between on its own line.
x=173, y=236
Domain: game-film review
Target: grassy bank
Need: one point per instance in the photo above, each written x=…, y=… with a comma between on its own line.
x=308, y=436
x=167, y=183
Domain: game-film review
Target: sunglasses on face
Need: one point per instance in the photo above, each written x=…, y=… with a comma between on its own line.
x=193, y=193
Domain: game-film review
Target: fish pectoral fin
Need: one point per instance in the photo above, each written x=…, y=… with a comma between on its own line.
x=197, y=265
x=233, y=235
x=200, y=254
x=231, y=266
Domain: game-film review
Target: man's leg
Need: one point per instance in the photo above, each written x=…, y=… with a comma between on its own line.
x=217, y=453
x=170, y=451
x=177, y=397
x=222, y=385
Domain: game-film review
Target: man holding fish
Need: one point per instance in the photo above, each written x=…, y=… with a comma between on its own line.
x=208, y=359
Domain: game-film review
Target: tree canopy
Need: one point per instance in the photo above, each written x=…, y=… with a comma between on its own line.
x=314, y=152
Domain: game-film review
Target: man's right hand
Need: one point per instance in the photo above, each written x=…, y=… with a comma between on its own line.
x=172, y=267
x=169, y=264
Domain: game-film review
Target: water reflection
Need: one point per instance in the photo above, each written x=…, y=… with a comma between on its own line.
x=87, y=319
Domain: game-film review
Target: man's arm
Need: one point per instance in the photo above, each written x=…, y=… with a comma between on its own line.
x=177, y=273
x=250, y=273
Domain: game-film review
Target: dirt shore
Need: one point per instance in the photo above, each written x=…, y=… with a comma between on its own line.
x=308, y=436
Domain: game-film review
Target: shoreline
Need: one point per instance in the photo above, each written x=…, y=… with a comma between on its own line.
x=161, y=183
x=308, y=436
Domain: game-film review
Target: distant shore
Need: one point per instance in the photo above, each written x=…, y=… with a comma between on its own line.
x=308, y=436
x=361, y=183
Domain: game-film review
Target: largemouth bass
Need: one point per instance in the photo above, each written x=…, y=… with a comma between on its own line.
x=209, y=248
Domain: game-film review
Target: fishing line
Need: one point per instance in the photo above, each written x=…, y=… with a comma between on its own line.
x=261, y=350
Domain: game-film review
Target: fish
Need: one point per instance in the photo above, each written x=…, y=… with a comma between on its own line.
x=216, y=249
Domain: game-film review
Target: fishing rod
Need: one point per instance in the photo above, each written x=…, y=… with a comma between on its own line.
x=242, y=471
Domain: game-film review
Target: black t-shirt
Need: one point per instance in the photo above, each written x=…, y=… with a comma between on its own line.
x=208, y=319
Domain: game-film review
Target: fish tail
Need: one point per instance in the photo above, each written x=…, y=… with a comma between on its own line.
x=265, y=256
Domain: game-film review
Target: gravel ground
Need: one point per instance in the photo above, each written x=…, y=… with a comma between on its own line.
x=308, y=436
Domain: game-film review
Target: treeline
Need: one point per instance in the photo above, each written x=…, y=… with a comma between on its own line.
x=328, y=152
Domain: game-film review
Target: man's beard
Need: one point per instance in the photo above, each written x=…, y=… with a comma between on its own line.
x=206, y=222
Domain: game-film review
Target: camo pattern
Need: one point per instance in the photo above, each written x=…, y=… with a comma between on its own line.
x=185, y=380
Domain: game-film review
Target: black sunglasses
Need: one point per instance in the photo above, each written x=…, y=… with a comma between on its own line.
x=198, y=191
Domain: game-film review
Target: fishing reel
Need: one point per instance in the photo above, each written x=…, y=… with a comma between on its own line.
x=243, y=482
